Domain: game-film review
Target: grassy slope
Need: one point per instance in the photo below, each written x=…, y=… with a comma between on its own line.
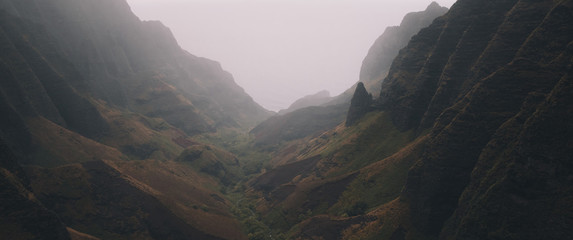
x=355, y=170
x=142, y=150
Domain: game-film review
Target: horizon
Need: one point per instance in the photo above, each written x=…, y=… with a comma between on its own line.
x=280, y=51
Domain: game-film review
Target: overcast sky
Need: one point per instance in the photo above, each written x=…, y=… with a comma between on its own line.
x=281, y=50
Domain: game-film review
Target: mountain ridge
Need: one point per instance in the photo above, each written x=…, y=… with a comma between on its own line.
x=470, y=137
x=379, y=56
x=467, y=95
x=88, y=92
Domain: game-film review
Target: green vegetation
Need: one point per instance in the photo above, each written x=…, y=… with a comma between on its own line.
x=357, y=208
x=374, y=138
x=244, y=209
x=252, y=159
x=376, y=185
x=213, y=162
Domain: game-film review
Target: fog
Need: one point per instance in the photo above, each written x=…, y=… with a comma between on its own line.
x=281, y=50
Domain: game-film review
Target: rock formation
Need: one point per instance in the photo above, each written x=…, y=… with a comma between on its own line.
x=374, y=69
x=471, y=137
x=377, y=62
x=360, y=104
x=481, y=99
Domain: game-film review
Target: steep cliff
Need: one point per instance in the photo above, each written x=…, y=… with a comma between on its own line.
x=488, y=80
x=377, y=62
x=470, y=94
x=360, y=104
x=117, y=58
x=96, y=106
x=471, y=137
x=374, y=68
x=480, y=101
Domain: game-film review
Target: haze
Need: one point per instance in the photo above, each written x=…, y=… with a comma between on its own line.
x=279, y=51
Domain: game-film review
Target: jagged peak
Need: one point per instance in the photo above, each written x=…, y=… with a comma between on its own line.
x=360, y=91
x=359, y=105
x=433, y=6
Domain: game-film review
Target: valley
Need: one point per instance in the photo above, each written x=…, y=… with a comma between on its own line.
x=459, y=128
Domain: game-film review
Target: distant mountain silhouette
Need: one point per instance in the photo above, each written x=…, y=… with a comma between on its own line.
x=316, y=99
x=375, y=64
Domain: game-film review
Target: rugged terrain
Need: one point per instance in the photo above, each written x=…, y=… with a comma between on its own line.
x=109, y=130
x=469, y=139
x=98, y=113
x=300, y=121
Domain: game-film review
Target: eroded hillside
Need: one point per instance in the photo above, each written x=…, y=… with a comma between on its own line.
x=98, y=109
x=465, y=141
x=109, y=130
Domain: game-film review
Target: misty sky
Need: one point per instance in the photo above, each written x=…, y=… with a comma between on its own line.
x=281, y=50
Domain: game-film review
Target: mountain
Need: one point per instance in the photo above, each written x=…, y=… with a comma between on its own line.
x=298, y=124
x=316, y=99
x=99, y=116
x=377, y=62
x=492, y=91
x=127, y=63
x=109, y=130
x=327, y=112
x=469, y=139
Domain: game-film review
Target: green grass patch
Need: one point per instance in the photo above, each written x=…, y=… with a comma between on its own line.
x=373, y=139
x=239, y=142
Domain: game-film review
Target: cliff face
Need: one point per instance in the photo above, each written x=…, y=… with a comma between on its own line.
x=520, y=186
x=333, y=110
x=385, y=48
x=116, y=58
x=86, y=85
x=377, y=62
x=443, y=62
x=478, y=108
x=483, y=77
x=471, y=137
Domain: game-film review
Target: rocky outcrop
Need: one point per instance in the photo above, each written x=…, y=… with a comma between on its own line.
x=360, y=104
x=334, y=110
x=379, y=58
